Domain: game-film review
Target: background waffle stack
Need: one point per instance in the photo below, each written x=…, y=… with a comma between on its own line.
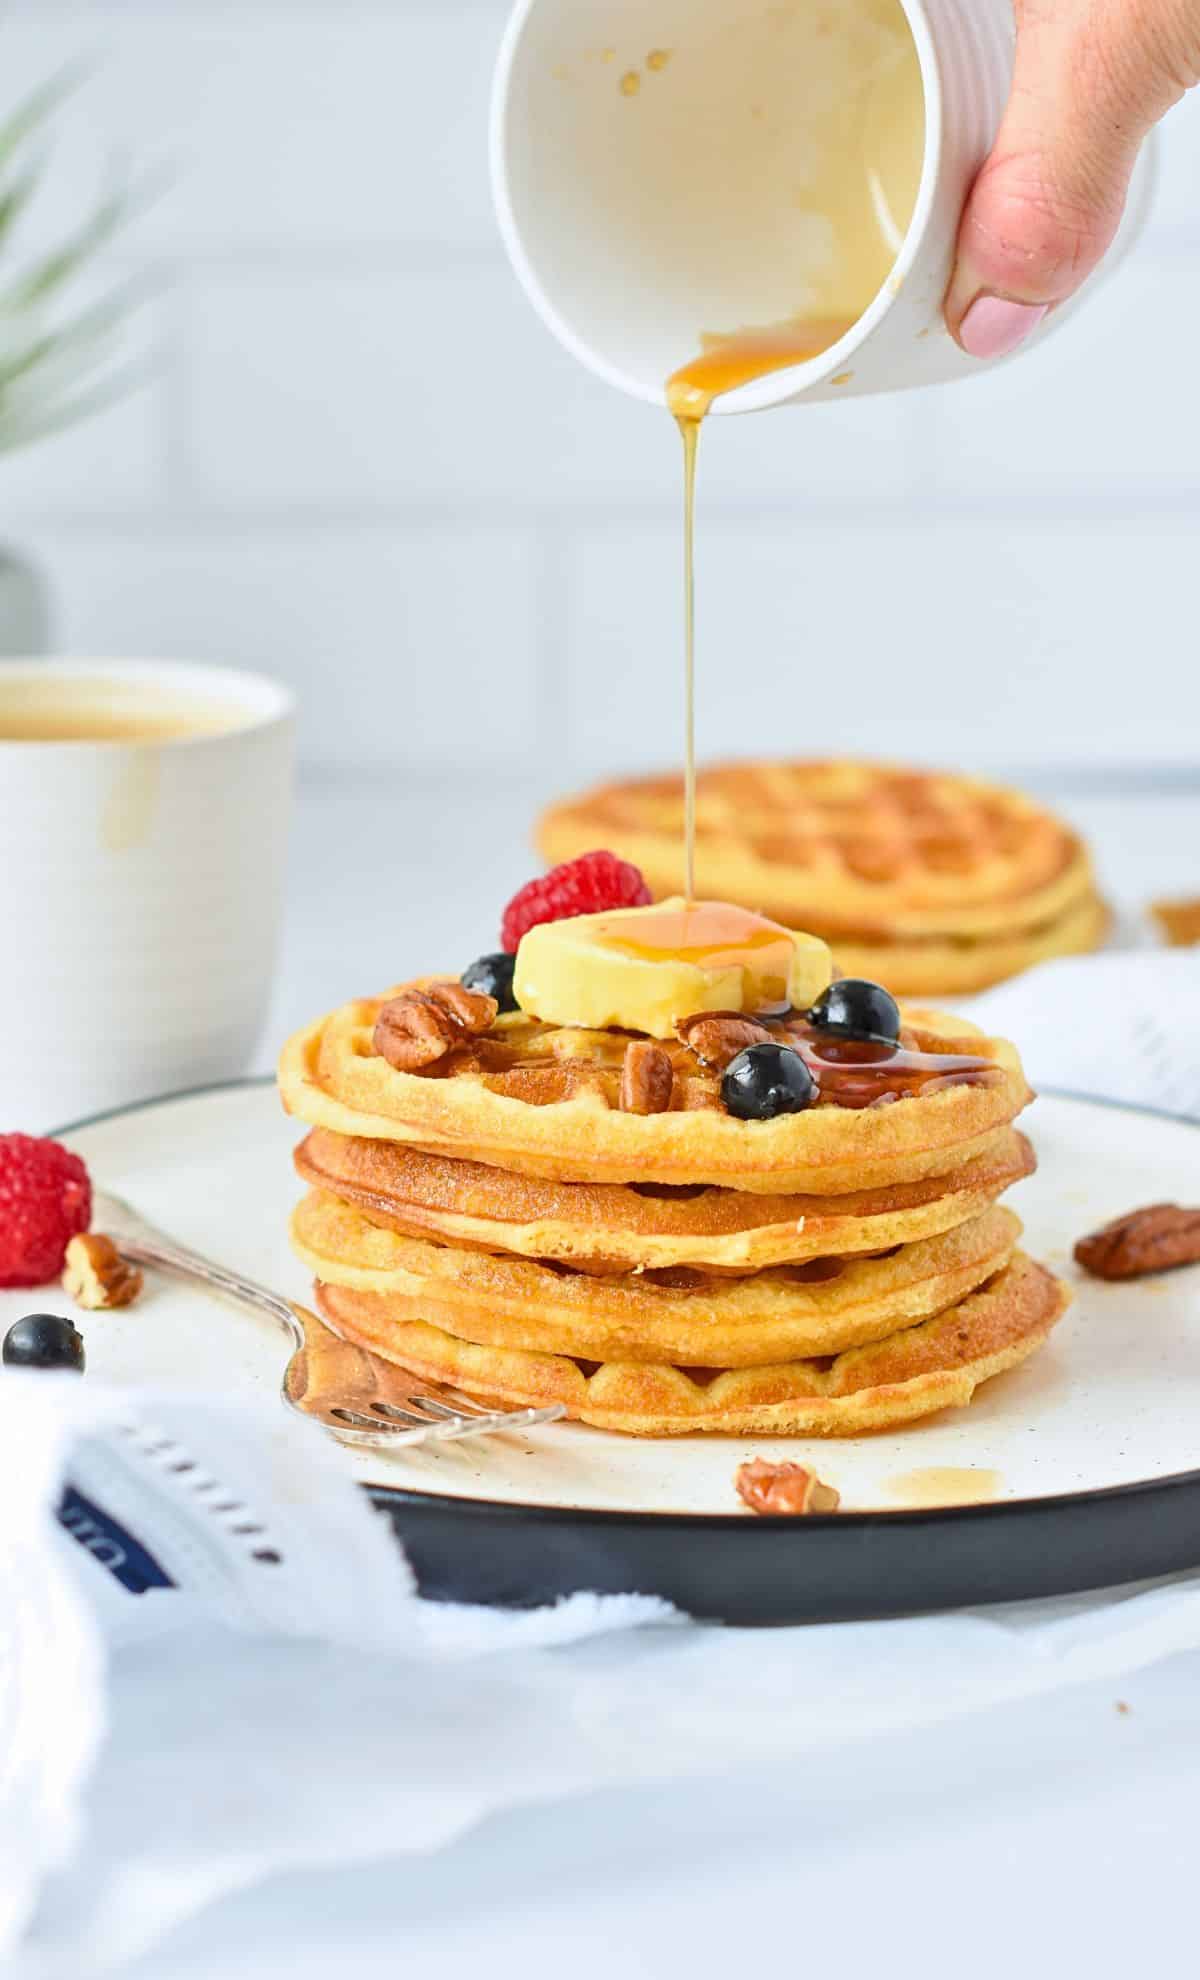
x=498, y=1221
x=936, y=885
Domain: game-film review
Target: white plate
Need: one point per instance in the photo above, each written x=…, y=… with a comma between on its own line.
x=1111, y=1401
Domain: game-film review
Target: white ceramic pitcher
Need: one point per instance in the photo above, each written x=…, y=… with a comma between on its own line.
x=605, y=117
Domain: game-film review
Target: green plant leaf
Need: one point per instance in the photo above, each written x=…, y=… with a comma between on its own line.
x=15, y=198
x=54, y=269
x=76, y=338
x=55, y=418
x=59, y=363
x=38, y=106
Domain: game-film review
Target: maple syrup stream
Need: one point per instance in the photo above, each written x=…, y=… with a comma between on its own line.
x=724, y=363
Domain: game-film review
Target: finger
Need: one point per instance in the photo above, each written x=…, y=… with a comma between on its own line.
x=1087, y=86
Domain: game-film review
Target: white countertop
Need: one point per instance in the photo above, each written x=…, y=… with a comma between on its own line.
x=1055, y=1835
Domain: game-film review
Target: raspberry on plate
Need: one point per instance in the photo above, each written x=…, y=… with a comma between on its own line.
x=587, y=885
x=45, y=1201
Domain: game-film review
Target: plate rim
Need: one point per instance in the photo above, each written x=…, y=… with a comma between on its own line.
x=908, y=1518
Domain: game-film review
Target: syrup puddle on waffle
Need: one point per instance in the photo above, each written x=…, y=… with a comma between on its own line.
x=862, y=180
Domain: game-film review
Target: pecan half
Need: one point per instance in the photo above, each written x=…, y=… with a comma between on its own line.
x=419, y=1027
x=96, y=1276
x=1179, y=921
x=647, y=1078
x=716, y=1037
x=783, y=1488
x=473, y=1011
x=1151, y=1240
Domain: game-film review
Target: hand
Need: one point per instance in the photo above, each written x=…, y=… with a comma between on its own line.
x=1092, y=77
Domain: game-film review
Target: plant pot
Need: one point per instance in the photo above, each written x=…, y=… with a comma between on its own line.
x=24, y=608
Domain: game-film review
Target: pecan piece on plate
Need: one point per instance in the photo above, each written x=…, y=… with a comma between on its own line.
x=716, y=1037
x=419, y=1027
x=1151, y=1240
x=96, y=1276
x=647, y=1078
x=1179, y=921
x=783, y=1488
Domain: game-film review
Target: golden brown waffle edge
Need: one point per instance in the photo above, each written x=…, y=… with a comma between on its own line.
x=783, y=1314
x=933, y=883
x=935, y=1365
x=331, y=1077
x=614, y=1227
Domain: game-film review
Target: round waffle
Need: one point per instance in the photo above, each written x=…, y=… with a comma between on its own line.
x=680, y=1315
x=599, y=1227
x=911, y=1373
x=943, y=967
x=542, y=1099
x=936, y=883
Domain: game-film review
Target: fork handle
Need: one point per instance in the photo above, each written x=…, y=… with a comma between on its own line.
x=149, y=1249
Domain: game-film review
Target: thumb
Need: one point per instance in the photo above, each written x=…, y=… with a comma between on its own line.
x=1088, y=84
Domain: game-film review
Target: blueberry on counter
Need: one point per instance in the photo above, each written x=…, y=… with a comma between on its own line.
x=493, y=977
x=854, y=1008
x=44, y=1340
x=766, y=1080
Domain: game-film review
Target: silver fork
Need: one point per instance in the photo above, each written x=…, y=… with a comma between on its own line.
x=359, y=1397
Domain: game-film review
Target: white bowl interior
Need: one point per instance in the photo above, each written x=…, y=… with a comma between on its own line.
x=666, y=168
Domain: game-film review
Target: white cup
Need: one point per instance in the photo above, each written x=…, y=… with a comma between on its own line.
x=596, y=189
x=141, y=882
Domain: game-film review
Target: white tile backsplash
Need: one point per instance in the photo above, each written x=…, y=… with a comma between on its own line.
x=439, y=385
x=287, y=129
x=361, y=462
x=1103, y=412
x=116, y=461
x=411, y=648
x=984, y=643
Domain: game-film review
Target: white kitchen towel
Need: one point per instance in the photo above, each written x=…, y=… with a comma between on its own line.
x=278, y=1697
x=1120, y=1026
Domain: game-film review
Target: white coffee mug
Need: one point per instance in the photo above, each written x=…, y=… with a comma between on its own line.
x=648, y=167
x=143, y=817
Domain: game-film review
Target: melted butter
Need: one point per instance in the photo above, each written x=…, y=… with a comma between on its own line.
x=946, y=1485
x=711, y=934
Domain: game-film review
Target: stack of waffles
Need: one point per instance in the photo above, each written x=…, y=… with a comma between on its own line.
x=936, y=885
x=518, y=1208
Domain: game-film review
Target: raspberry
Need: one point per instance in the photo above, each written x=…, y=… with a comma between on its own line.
x=45, y=1201
x=587, y=885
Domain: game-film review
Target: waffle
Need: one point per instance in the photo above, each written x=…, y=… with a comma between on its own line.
x=681, y=1315
x=503, y=1219
x=598, y=1227
x=934, y=884
x=957, y=968
x=542, y=1100
x=935, y=1365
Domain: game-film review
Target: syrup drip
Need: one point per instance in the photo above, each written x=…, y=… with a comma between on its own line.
x=860, y=1072
x=946, y=1485
x=724, y=363
x=727, y=361
x=815, y=1271
x=712, y=934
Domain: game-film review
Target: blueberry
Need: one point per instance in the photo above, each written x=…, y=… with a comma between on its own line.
x=493, y=975
x=766, y=1080
x=44, y=1340
x=857, y=1009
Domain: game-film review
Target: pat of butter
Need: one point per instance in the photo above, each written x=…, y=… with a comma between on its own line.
x=645, y=969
